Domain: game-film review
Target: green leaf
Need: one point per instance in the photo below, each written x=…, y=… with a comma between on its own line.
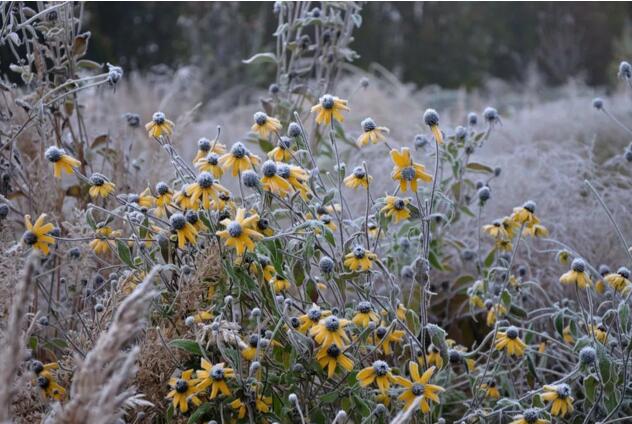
x=489, y=260
x=517, y=311
x=624, y=315
x=265, y=145
x=330, y=397
x=559, y=322
x=261, y=58
x=505, y=298
x=90, y=219
x=437, y=337
x=479, y=167
x=590, y=387
x=434, y=261
x=124, y=253
x=200, y=412
x=361, y=404
x=187, y=345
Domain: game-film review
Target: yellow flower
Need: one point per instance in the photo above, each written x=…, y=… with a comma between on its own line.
x=183, y=198
x=406, y=171
x=283, y=150
x=419, y=389
x=360, y=259
x=203, y=316
x=433, y=357
x=165, y=195
x=510, y=342
x=238, y=159
x=296, y=176
x=329, y=108
x=210, y=163
x=205, y=188
x=491, y=390
x=525, y=215
x=364, y=315
x=103, y=241
x=264, y=125
x=371, y=133
x=240, y=232
x=401, y=312
x=267, y=268
x=262, y=404
x=503, y=245
x=330, y=330
x=100, y=186
x=536, y=230
x=311, y=318
x=619, y=281
x=510, y=226
x=61, y=161
x=37, y=235
x=249, y=352
x=49, y=387
x=496, y=230
x=373, y=229
x=476, y=301
x=205, y=147
x=184, y=390
x=330, y=357
x=600, y=332
x=223, y=202
x=279, y=284
x=145, y=199
x=577, y=275
x=431, y=118
x=529, y=416
x=385, y=338
x=567, y=335
x=185, y=232
x=494, y=312
x=272, y=181
x=214, y=376
x=159, y=125
x=358, y=178
x=397, y=208
x=560, y=398
x=380, y=373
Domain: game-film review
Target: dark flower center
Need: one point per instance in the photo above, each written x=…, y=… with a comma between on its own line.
x=181, y=385
x=417, y=389
x=234, y=229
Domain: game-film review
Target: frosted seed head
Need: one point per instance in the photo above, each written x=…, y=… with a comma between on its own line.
x=158, y=118
x=326, y=264
x=97, y=179
x=529, y=205
x=578, y=265
x=260, y=118
x=250, y=179
x=624, y=272
x=177, y=221
x=597, y=103
x=359, y=172
x=238, y=150
x=234, y=229
x=587, y=355
x=512, y=332
x=269, y=168
x=327, y=101
x=472, y=118
x=368, y=125
x=484, y=193
x=204, y=144
x=460, y=133
x=293, y=130
x=490, y=114
x=431, y=117
x=625, y=70
x=54, y=154
x=381, y=368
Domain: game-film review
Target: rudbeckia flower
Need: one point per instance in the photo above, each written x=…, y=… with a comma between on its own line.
x=600, y=332
x=364, y=315
x=525, y=215
x=330, y=330
x=104, y=240
x=529, y=416
x=279, y=284
x=358, y=178
x=272, y=182
x=283, y=150
x=296, y=176
x=380, y=373
x=332, y=356
x=262, y=404
x=491, y=390
x=49, y=387
x=433, y=357
x=184, y=390
x=406, y=171
x=240, y=232
x=263, y=226
x=185, y=232
x=431, y=118
x=619, y=281
x=496, y=230
x=205, y=147
x=568, y=336
x=373, y=229
x=159, y=126
x=267, y=268
x=249, y=352
x=61, y=161
x=311, y=318
x=193, y=218
x=510, y=342
x=224, y=202
x=329, y=108
x=536, y=230
x=419, y=389
x=165, y=195
x=385, y=339
x=264, y=125
x=37, y=235
x=214, y=376
x=239, y=159
x=183, y=199
x=371, y=133
x=205, y=188
x=100, y=186
x=401, y=312
x=494, y=312
x=145, y=199
x=396, y=208
x=210, y=163
x=577, y=275
x=360, y=259
x=560, y=398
